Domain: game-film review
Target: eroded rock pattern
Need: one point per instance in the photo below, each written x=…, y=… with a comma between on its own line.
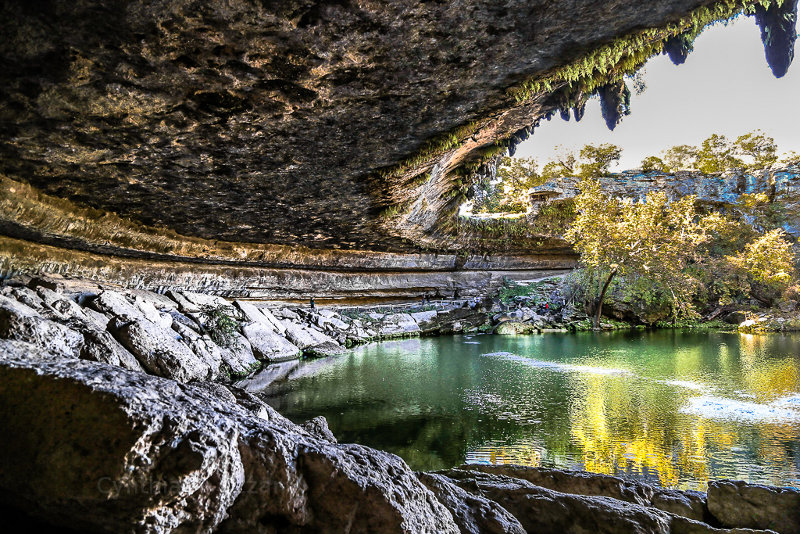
x=254, y=121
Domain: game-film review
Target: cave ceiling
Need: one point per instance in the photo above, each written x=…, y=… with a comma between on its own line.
x=266, y=122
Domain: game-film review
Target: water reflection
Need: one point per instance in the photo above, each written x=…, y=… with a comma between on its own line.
x=672, y=408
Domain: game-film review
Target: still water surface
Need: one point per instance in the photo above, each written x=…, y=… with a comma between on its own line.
x=672, y=408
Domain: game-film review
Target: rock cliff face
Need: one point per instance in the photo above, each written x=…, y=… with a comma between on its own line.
x=782, y=186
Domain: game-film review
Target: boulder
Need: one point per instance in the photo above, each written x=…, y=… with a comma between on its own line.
x=100, y=346
x=254, y=314
x=473, y=514
x=739, y=504
x=269, y=374
x=513, y=328
x=689, y=504
x=543, y=510
x=160, y=352
x=22, y=323
x=117, y=451
x=398, y=325
x=115, y=304
x=204, y=347
x=268, y=345
x=160, y=302
x=239, y=356
x=310, y=340
x=318, y=427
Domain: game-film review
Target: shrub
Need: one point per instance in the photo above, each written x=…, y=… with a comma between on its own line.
x=220, y=325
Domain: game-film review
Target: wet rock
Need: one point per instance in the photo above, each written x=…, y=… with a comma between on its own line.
x=473, y=514
x=160, y=353
x=22, y=323
x=543, y=510
x=739, y=504
x=239, y=356
x=269, y=345
x=270, y=373
x=426, y=320
x=689, y=504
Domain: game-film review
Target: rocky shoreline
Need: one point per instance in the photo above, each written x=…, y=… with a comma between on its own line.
x=101, y=448
x=125, y=417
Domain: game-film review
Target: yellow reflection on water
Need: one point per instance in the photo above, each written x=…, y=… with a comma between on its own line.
x=634, y=425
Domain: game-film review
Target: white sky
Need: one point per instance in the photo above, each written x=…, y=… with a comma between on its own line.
x=724, y=87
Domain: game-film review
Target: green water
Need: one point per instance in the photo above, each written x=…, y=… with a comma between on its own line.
x=671, y=408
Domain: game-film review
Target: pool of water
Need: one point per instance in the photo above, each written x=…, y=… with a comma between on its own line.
x=671, y=408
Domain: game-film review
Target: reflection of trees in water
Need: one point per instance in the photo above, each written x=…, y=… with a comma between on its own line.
x=621, y=428
x=435, y=405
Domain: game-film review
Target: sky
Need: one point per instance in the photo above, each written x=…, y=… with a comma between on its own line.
x=724, y=87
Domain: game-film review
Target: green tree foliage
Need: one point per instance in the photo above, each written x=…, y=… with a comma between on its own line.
x=654, y=163
x=596, y=160
x=652, y=240
x=760, y=148
x=509, y=193
x=768, y=262
x=681, y=158
x=717, y=155
x=220, y=324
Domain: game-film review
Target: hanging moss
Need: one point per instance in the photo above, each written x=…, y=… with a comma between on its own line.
x=778, y=25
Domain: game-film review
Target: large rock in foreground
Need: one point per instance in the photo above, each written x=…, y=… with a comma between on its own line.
x=736, y=503
x=101, y=448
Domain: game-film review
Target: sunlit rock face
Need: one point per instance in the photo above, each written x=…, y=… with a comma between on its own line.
x=265, y=122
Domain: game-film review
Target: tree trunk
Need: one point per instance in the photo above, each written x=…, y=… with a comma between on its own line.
x=599, y=310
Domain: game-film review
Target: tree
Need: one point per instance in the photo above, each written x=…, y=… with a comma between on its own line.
x=759, y=147
x=716, y=154
x=518, y=175
x=597, y=160
x=563, y=165
x=652, y=239
x=654, y=163
x=768, y=261
x=681, y=158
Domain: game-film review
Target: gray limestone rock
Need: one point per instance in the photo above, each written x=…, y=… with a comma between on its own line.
x=160, y=353
x=118, y=451
x=398, y=325
x=689, y=504
x=268, y=345
x=739, y=504
x=318, y=427
x=115, y=304
x=473, y=514
x=22, y=323
x=310, y=340
x=100, y=346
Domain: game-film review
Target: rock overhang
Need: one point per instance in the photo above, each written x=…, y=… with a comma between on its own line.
x=287, y=134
